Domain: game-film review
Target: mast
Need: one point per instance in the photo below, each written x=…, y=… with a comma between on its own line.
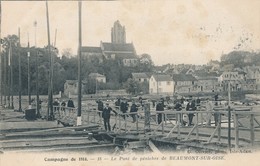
x=20, y=74
x=11, y=77
x=29, y=75
x=1, y=79
x=37, y=71
x=50, y=91
x=79, y=68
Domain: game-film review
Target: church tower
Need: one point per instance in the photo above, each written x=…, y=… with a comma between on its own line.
x=118, y=35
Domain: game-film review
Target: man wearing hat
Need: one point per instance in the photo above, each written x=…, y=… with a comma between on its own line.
x=106, y=117
x=100, y=106
x=159, y=107
x=124, y=107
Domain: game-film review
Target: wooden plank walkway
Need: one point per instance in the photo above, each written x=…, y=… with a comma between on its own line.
x=47, y=133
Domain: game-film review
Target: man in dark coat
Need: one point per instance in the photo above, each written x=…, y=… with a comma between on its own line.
x=100, y=106
x=133, y=110
x=191, y=106
x=159, y=107
x=70, y=103
x=124, y=107
x=106, y=117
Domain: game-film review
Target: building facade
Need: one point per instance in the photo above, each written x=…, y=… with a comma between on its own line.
x=161, y=84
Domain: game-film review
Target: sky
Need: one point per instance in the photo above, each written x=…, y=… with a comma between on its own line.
x=171, y=31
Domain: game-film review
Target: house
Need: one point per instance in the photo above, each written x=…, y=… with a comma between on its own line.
x=207, y=81
x=253, y=72
x=97, y=77
x=161, y=84
x=229, y=76
x=184, y=83
x=71, y=87
x=250, y=84
x=130, y=62
x=140, y=77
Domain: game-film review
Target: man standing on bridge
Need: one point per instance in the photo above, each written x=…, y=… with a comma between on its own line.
x=159, y=107
x=100, y=106
x=106, y=117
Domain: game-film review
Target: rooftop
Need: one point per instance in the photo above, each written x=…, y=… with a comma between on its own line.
x=162, y=77
x=95, y=75
x=183, y=77
x=91, y=49
x=126, y=47
x=139, y=75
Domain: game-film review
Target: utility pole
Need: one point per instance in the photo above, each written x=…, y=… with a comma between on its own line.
x=79, y=68
x=20, y=73
x=29, y=76
x=4, y=79
x=1, y=64
x=50, y=91
x=11, y=76
x=37, y=71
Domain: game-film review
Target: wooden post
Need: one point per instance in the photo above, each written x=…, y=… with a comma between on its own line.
x=162, y=122
x=219, y=127
x=197, y=126
x=147, y=116
x=137, y=129
x=88, y=116
x=201, y=118
x=179, y=123
x=119, y=123
x=252, y=130
x=79, y=67
x=229, y=128
x=94, y=117
x=100, y=117
x=236, y=131
x=125, y=121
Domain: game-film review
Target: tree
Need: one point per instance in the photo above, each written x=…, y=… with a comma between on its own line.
x=146, y=63
x=67, y=52
x=132, y=87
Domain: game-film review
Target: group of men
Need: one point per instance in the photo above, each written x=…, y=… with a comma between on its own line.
x=121, y=105
x=189, y=105
x=62, y=105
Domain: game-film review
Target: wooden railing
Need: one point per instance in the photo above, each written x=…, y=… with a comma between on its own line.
x=146, y=120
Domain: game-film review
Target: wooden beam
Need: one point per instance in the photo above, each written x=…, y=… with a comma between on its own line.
x=212, y=135
x=252, y=132
x=188, y=136
x=236, y=131
x=153, y=147
x=168, y=135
